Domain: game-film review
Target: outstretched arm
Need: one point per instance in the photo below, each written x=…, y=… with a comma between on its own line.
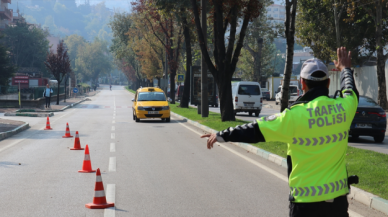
x=249, y=133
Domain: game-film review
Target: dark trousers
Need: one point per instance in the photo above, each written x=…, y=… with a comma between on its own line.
x=338, y=208
x=47, y=102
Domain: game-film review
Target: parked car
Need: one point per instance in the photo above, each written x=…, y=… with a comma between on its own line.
x=370, y=120
x=293, y=94
x=247, y=97
x=150, y=102
x=265, y=93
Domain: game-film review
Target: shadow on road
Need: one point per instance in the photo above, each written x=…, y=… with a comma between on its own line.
x=7, y=164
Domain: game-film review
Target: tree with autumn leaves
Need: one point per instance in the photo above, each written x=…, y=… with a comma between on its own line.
x=225, y=15
x=166, y=22
x=58, y=64
x=166, y=31
x=358, y=25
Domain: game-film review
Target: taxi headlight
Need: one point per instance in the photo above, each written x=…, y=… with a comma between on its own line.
x=165, y=107
x=141, y=108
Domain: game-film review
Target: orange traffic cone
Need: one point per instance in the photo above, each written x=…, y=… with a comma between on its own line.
x=99, y=199
x=48, y=124
x=77, y=143
x=67, y=134
x=87, y=165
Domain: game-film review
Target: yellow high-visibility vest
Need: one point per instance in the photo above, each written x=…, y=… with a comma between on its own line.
x=317, y=136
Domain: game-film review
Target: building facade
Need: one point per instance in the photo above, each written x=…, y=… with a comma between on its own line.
x=277, y=13
x=5, y=14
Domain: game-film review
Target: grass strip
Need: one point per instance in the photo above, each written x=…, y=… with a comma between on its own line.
x=370, y=166
x=130, y=90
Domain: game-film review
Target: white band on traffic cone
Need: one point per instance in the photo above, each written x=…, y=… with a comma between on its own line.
x=99, y=193
x=98, y=179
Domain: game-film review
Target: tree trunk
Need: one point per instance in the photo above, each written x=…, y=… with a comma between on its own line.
x=186, y=90
x=382, y=89
x=172, y=85
x=57, y=93
x=290, y=32
x=226, y=99
x=258, y=61
x=337, y=28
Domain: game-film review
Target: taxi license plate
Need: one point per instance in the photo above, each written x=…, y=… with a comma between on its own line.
x=363, y=125
x=153, y=112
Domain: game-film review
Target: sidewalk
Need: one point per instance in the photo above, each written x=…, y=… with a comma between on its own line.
x=62, y=105
x=8, y=125
x=9, y=128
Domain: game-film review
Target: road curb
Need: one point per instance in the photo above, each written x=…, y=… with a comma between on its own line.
x=29, y=114
x=17, y=130
x=74, y=104
x=364, y=197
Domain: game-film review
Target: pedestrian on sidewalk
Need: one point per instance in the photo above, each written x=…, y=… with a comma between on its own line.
x=315, y=129
x=47, y=94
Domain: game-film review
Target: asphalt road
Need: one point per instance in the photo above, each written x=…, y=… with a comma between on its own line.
x=151, y=168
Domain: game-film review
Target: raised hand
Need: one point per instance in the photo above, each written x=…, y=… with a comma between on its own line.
x=344, y=59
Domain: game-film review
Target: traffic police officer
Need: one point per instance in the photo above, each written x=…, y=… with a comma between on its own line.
x=316, y=129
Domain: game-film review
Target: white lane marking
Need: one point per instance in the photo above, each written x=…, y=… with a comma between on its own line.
x=112, y=164
x=20, y=140
x=114, y=117
x=113, y=122
x=113, y=128
x=112, y=135
x=110, y=197
x=112, y=147
x=273, y=172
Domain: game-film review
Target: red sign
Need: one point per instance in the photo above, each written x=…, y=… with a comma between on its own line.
x=21, y=77
x=21, y=81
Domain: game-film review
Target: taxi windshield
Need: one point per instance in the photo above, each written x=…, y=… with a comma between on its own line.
x=151, y=96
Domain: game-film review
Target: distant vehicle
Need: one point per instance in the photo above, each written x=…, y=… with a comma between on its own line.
x=370, y=120
x=293, y=94
x=265, y=93
x=179, y=93
x=247, y=97
x=150, y=102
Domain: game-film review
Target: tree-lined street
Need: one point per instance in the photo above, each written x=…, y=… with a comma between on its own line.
x=139, y=82
x=150, y=168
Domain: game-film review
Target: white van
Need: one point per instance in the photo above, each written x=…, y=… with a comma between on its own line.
x=247, y=97
x=293, y=94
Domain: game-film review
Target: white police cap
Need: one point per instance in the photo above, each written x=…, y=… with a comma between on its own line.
x=313, y=65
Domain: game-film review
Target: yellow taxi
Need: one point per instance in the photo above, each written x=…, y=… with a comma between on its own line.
x=150, y=102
